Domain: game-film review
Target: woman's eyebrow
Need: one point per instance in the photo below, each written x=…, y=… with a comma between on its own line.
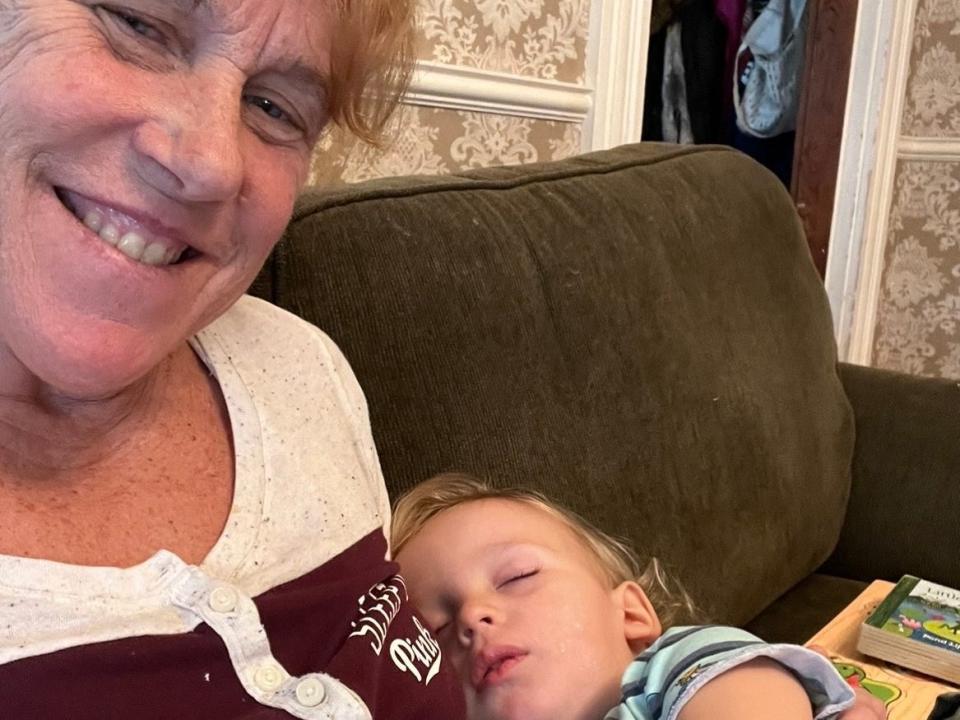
x=189, y=6
x=307, y=75
x=304, y=78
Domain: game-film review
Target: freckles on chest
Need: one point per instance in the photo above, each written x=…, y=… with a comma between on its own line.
x=124, y=523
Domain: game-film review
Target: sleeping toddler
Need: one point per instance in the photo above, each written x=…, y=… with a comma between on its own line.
x=545, y=617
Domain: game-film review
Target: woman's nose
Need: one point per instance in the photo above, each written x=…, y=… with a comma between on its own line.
x=190, y=148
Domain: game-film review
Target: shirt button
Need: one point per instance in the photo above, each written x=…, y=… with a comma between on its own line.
x=310, y=692
x=223, y=599
x=268, y=678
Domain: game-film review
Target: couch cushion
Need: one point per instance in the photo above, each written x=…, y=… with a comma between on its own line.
x=798, y=614
x=639, y=332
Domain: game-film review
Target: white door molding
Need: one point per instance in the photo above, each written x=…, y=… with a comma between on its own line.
x=868, y=162
x=464, y=88
x=929, y=148
x=617, y=71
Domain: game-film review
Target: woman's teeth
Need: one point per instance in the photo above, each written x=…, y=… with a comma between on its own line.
x=131, y=244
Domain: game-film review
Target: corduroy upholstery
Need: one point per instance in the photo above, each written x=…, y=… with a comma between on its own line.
x=638, y=332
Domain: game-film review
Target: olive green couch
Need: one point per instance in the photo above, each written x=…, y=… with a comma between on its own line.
x=640, y=333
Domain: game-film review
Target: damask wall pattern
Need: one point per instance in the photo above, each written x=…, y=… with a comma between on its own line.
x=534, y=38
x=918, y=319
x=919, y=315
x=432, y=141
x=545, y=39
x=932, y=107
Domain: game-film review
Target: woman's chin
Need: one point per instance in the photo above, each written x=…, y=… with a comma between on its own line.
x=90, y=384
x=92, y=368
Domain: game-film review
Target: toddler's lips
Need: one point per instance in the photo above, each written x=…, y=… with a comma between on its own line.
x=493, y=665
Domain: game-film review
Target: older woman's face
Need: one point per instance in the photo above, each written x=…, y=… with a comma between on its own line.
x=151, y=151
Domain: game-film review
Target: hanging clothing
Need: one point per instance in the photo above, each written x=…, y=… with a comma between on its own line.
x=754, y=8
x=772, y=57
x=704, y=39
x=663, y=13
x=653, y=88
x=707, y=30
x=697, y=76
x=676, y=114
x=731, y=14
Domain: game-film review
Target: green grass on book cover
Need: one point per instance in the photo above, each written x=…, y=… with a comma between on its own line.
x=921, y=611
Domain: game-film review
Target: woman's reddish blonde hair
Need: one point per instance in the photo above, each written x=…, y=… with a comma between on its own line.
x=371, y=63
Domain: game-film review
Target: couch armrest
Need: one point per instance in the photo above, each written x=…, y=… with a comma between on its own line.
x=904, y=509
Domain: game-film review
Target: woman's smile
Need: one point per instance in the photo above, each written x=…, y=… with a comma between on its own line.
x=135, y=235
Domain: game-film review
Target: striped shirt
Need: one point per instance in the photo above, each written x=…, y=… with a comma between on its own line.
x=660, y=681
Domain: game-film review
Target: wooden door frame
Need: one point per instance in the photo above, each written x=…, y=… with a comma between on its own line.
x=829, y=51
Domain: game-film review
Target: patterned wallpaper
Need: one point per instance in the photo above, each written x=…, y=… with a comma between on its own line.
x=933, y=93
x=918, y=319
x=431, y=141
x=536, y=38
x=545, y=39
x=920, y=298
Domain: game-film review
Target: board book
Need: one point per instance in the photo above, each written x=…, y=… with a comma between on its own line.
x=917, y=626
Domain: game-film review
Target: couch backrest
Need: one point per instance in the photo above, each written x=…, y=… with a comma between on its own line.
x=638, y=332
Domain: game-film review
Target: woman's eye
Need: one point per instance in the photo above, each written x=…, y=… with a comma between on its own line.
x=269, y=108
x=136, y=25
x=140, y=27
x=272, y=121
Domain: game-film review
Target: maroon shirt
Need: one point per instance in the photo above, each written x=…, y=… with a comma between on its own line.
x=349, y=618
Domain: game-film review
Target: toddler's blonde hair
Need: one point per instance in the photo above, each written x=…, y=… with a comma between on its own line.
x=617, y=560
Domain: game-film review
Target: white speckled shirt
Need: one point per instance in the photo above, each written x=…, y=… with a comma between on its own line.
x=295, y=612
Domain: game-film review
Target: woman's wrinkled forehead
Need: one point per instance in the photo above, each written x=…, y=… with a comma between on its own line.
x=260, y=23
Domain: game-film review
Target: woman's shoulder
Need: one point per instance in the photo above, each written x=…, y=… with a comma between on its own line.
x=252, y=320
x=301, y=436
x=259, y=339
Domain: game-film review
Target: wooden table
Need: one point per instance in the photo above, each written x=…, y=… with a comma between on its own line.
x=908, y=695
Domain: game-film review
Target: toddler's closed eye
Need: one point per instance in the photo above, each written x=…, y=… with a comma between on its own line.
x=518, y=577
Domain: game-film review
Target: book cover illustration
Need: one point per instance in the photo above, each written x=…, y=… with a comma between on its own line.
x=922, y=611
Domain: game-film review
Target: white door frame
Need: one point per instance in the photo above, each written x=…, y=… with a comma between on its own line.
x=868, y=160
x=617, y=70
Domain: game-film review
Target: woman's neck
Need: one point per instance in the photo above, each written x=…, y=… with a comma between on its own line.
x=45, y=432
x=109, y=481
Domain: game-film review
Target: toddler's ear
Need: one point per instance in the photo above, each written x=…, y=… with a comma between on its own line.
x=641, y=626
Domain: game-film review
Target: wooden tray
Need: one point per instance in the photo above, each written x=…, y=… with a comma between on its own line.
x=908, y=695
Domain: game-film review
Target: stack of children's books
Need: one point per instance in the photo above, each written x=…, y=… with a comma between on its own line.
x=916, y=626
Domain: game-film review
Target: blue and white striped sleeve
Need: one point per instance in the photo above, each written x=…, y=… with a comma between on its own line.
x=660, y=681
